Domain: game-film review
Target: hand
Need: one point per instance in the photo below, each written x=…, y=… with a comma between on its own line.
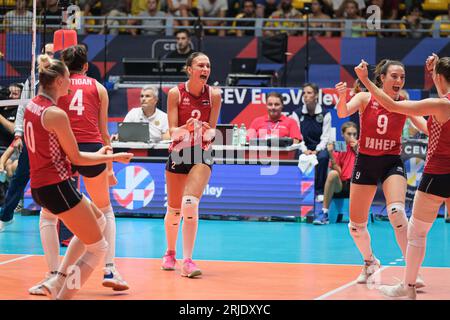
x=193, y=124
x=361, y=70
x=330, y=146
x=341, y=88
x=18, y=144
x=353, y=143
x=208, y=132
x=431, y=62
x=122, y=157
x=112, y=180
x=105, y=150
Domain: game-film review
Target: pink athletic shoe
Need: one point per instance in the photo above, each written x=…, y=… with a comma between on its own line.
x=169, y=261
x=190, y=269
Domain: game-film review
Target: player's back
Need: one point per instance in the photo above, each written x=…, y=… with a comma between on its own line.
x=82, y=105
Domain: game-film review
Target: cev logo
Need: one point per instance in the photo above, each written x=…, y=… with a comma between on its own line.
x=414, y=168
x=135, y=188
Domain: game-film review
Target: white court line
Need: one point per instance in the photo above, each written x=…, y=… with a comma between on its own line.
x=15, y=259
x=345, y=286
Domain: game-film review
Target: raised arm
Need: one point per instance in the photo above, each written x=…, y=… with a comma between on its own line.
x=56, y=120
x=420, y=123
x=432, y=106
x=358, y=102
x=430, y=64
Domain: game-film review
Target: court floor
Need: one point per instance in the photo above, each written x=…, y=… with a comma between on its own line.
x=239, y=260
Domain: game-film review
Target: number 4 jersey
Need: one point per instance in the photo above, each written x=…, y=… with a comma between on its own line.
x=82, y=105
x=381, y=130
x=48, y=162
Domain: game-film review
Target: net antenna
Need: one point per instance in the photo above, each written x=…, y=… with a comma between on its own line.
x=33, y=52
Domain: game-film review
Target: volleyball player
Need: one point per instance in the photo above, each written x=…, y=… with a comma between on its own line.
x=378, y=159
x=434, y=188
x=193, y=109
x=52, y=148
x=87, y=108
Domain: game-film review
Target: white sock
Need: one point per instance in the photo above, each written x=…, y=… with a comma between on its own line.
x=325, y=210
x=110, y=235
x=49, y=238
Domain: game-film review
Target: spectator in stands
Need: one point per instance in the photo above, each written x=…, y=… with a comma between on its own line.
x=248, y=11
x=339, y=7
x=147, y=112
x=317, y=12
x=264, y=8
x=337, y=184
x=315, y=125
x=111, y=9
x=138, y=6
x=351, y=12
x=150, y=27
x=180, y=8
x=275, y=124
x=7, y=118
x=93, y=70
x=412, y=22
x=445, y=27
x=15, y=90
x=184, y=47
x=19, y=20
x=213, y=9
x=389, y=11
x=52, y=15
x=285, y=11
x=8, y=163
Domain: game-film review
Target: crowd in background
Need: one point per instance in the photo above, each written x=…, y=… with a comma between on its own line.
x=411, y=13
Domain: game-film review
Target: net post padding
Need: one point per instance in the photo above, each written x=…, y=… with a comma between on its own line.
x=64, y=38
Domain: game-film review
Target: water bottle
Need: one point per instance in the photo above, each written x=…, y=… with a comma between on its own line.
x=235, y=140
x=242, y=135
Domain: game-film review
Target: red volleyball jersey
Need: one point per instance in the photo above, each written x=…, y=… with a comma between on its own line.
x=48, y=162
x=82, y=105
x=438, y=153
x=190, y=106
x=381, y=130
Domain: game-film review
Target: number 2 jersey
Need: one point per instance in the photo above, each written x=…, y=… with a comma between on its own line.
x=381, y=130
x=82, y=105
x=190, y=106
x=48, y=161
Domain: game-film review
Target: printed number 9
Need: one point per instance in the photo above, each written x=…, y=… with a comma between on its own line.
x=382, y=124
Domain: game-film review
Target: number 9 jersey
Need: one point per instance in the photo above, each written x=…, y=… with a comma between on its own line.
x=82, y=105
x=381, y=130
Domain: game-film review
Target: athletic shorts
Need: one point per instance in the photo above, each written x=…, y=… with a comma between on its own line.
x=369, y=170
x=183, y=161
x=435, y=184
x=59, y=197
x=89, y=171
x=345, y=192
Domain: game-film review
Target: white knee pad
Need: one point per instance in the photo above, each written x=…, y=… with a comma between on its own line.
x=417, y=232
x=189, y=208
x=173, y=216
x=47, y=219
x=357, y=229
x=397, y=215
x=95, y=253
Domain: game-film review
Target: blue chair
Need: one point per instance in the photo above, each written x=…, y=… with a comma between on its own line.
x=339, y=207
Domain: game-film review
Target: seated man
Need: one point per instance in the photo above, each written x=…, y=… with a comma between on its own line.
x=337, y=184
x=150, y=27
x=315, y=124
x=275, y=124
x=213, y=9
x=147, y=112
x=184, y=48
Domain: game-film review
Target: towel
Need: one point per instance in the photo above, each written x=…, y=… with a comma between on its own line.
x=306, y=163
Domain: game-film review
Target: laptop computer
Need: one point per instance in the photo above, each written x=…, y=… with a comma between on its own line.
x=243, y=65
x=134, y=132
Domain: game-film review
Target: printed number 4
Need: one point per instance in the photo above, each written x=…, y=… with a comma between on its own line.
x=77, y=102
x=382, y=124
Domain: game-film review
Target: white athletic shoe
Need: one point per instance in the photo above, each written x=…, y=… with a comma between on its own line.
x=37, y=290
x=112, y=279
x=420, y=283
x=4, y=224
x=368, y=270
x=319, y=198
x=399, y=291
x=52, y=286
